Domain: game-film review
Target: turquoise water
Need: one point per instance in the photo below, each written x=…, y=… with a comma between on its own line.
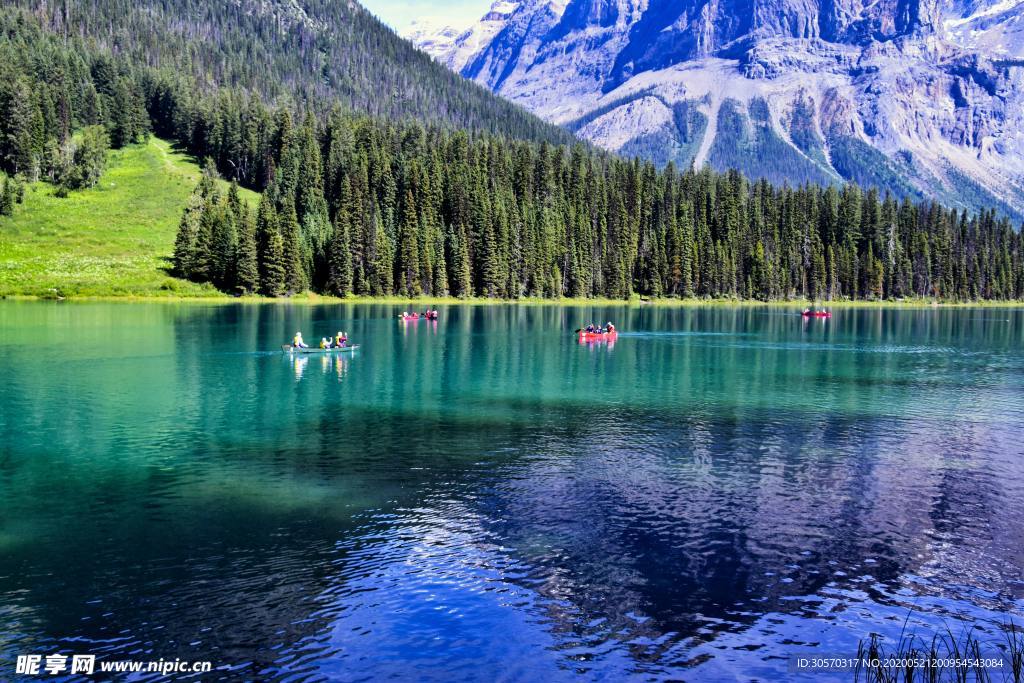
x=483, y=497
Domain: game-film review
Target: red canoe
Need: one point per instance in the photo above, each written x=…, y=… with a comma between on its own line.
x=817, y=314
x=597, y=336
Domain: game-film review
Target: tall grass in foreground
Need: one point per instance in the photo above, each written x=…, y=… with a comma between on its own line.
x=916, y=660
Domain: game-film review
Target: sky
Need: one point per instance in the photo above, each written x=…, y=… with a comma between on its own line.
x=400, y=13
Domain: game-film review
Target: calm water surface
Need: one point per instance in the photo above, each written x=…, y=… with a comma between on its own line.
x=484, y=498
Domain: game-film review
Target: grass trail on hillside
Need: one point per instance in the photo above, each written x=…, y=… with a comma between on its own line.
x=115, y=239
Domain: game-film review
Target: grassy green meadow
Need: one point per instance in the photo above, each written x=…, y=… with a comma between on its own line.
x=115, y=239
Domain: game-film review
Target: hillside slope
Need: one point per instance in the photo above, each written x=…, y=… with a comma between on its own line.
x=313, y=53
x=114, y=239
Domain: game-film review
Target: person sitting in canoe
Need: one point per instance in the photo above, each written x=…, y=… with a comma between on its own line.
x=340, y=340
x=610, y=328
x=298, y=343
x=590, y=328
x=324, y=343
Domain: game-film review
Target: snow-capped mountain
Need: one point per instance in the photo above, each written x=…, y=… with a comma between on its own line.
x=919, y=97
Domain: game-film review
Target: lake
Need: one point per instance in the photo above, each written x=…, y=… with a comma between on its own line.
x=484, y=498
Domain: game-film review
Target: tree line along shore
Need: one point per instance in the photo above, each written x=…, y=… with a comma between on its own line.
x=359, y=208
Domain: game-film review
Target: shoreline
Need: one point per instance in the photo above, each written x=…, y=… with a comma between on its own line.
x=416, y=302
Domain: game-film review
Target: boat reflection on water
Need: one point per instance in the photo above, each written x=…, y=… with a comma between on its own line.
x=299, y=364
x=413, y=325
x=341, y=366
x=329, y=363
x=599, y=345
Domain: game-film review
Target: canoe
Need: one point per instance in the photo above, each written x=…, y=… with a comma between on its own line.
x=288, y=348
x=596, y=336
x=417, y=317
x=818, y=314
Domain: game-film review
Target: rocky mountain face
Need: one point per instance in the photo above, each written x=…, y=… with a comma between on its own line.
x=919, y=97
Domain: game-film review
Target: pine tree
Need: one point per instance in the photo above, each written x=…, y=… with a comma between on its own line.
x=187, y=238
x=382, y=265
x=311, y=206
x=760, y=286
x=490, y=265
x=7, y=197
x=271, y=281
x=204, y=261
x=286, y=157
x=295, y=270
x=359, y=235
x=130, y=122
x=18, y=118
x=818, y=275
x=461, y=269
x=223, y=245
x=439, y=283
x=235, y=202
x=272, y=269
x=833, y=278
x=339, y=282
x=247, y=271
x=409, y=252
